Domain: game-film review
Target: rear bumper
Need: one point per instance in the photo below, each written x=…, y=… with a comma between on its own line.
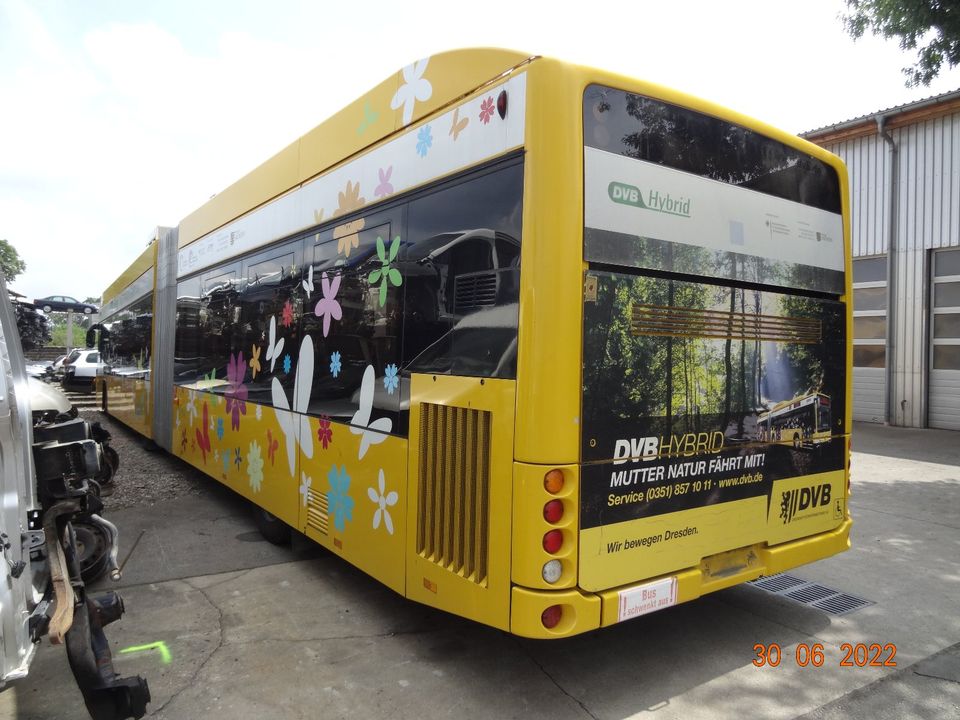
x=585, y=611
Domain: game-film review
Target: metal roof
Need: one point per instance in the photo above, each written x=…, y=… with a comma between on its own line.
x=888, y=112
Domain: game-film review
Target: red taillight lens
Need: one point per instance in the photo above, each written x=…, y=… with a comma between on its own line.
x=553, y=511
x=502, y=104
x=551, y=616
x=553, y=481
x=552, y=541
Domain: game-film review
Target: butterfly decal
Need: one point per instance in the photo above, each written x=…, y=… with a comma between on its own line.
x=328, y=307
x=296, y=425
x=458, y=124
x=203, y=438
x=369, y=118
x=272, y=445
x=275, y=347
x=371, y=433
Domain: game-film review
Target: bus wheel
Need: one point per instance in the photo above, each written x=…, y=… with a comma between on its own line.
x=796, y=441
x=273, y=529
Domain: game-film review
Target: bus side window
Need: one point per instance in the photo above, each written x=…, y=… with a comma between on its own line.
x=461, y=269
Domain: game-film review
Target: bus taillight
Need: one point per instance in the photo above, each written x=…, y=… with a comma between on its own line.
x=552, y=570
x=553, y=481
x=551, y=616
x=552, y=540
x=553, y=511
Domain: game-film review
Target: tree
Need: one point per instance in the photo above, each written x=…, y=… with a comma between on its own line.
x=932, y=24
x=10, y=262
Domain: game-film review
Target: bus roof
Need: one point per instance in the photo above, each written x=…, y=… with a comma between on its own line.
x=365, y=121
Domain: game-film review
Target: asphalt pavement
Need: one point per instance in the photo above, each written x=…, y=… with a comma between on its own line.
x=224, y=625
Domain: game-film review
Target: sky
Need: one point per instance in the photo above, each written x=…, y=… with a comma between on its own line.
x=120, y=116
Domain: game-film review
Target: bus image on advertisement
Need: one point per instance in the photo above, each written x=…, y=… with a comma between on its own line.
x=528, y=376
x=801, y=421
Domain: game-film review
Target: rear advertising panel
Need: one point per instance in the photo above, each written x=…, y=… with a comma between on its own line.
x=713, y=346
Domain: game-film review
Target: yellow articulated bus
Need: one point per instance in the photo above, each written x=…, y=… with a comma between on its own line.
x=801, y=421
x=502, y=333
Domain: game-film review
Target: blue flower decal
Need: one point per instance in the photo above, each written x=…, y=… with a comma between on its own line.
x=335, y=363
x=226, y=462
x=339, y=502
x=286, y=363
x=424, y=141
x=219, y=428
x=390, y=379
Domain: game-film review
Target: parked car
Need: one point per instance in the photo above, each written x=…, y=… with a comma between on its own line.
x=81, y=368
x=62, y=303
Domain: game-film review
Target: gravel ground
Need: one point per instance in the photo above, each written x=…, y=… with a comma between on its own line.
x=147, y=474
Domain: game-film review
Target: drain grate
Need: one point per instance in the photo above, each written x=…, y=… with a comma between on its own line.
x=812, y=594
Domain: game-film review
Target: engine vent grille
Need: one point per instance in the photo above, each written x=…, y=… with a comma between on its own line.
x=475, y=291
x=693, y=322
x=452, y=515
x=317, y=506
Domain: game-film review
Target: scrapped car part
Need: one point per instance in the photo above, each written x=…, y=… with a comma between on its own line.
x=45, y=487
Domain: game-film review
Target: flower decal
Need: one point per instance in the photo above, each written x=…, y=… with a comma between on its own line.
x=328, y=308
x=305, y=482
x=325, y=432
x=346, y=235
x=286, y=318
x=338, y=499
x=254, y=466
x=259, y=411
x=335, y=363
x=236, y=393
x=486, y=110
x=384, y=188
x=415, y=87
x=382, y=502
x=255, y=361
x=203, y=435
x=237, y=460
x=219, y=428
x=390, y=379
x=424, y=141
x=226, y=461
x=287, y=363
x=386, y=275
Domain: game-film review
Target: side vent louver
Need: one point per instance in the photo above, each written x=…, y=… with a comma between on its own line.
x=317, y=511
x=452, y=517
x=693, y=322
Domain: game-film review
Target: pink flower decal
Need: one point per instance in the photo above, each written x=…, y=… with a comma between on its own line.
x=287, y=318
x=486, y=110
x=325, y=432
x=328, y=307
x=236, y=393
x=384, y=188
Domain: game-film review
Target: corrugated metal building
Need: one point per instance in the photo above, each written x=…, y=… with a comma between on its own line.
x=904, y=168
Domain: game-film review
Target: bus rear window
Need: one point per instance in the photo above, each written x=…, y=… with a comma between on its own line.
x=646, y=129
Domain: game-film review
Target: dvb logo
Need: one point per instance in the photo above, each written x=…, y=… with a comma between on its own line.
x=794, y=501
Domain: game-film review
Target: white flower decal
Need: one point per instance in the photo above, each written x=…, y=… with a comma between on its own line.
x=296, y=425
x=382, y=502
x=305, y=482
x=259, y=412
x=415, y=87
x=254, y=466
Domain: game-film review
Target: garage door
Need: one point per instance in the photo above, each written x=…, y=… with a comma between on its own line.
x=944, y=402
x=869, y=338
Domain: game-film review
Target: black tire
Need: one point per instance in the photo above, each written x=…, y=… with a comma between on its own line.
x=93, y=549
x=87, y=311
x=273, y=529
x=46, y=308
x=796, y=441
